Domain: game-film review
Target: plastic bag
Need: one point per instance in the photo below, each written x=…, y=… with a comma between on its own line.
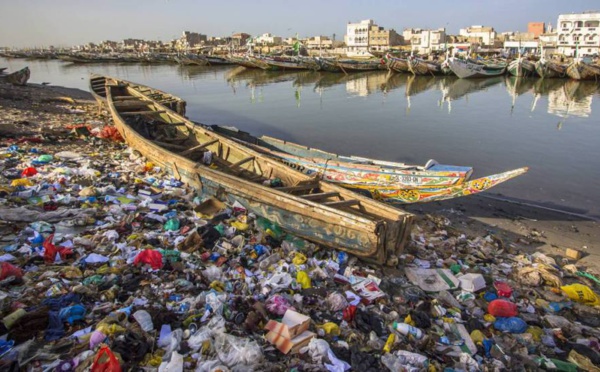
x=512, y=325
x=502, y=308
x=581, y=293
x=7, y=270
x=150, y=257
x=105, y=361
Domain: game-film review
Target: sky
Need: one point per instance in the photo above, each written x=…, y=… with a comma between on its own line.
x=31, y=23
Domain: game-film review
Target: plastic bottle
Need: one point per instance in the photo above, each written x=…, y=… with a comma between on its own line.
x=407, y=329
x=144, y=319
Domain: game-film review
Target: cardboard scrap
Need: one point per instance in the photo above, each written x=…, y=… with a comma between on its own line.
x=291, y=333
x=573, y=253
x=432, y=280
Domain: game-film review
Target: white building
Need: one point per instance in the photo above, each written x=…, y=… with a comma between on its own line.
x=479, y=34
x=268, y=39
x=425, y=41
x=357, y=35
x=319, y=42
x=581, y=30
x=526, y=47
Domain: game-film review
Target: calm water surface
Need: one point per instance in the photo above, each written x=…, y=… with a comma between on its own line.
x=492, y=124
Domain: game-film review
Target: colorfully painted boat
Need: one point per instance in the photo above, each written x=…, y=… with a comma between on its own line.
x=396, y=64
x=521, y=67
x=469, y=69
x=98, y=90
x=394, y=183
x=419, y=66
x=217, y=166
x=350, y=65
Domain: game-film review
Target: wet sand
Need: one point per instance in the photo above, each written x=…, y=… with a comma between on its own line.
x=35, y=109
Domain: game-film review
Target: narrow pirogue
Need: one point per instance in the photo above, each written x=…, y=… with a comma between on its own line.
x=215, y=165
x=391, y=182
x=98, y=90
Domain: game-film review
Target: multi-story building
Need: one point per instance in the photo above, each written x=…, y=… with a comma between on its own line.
x=268, y=39
x=536, y=28
x=481, y=35
x=580, y=32
x=357, y=35
x=425, y=41
x=382, y=39
x=319, y=42
x=190, y=40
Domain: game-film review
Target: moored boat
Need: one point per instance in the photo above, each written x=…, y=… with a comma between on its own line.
x=580, y=70
x=468, y=69
x=217, y=166
x=394, y=183
x=349, y=65
x=396, y=64
x=18, y=77
x=550, y=69
x=521, y=67
x=98, y=90
x=419, y=66
x=218, y=60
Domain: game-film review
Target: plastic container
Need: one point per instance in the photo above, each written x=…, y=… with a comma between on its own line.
x=472, y=282
x=144, y=319
x=407, y=329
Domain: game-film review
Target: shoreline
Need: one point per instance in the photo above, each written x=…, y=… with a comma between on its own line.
x=475, y=214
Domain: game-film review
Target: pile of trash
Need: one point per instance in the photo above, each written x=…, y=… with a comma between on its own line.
x=107, y=263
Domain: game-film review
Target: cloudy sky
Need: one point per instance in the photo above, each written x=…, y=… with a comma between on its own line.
x=29, y=23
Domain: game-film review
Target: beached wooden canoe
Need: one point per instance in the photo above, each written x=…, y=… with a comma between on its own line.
x=395, y=183
x=18, y=77
x=218, y=166
x=98, y=90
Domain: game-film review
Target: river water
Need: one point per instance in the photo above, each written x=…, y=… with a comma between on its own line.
x=493, y=124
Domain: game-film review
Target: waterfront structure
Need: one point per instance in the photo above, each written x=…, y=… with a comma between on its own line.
x=268, y=39
x=357, y=36
x=318, y=42
x=526, y=47
x=482, y=35
x=381, y=39
x=579, y=31
x=425, y=41
x=536, y=28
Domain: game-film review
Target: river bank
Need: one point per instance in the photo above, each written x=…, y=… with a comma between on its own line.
x=43, y=109
x=211, y=279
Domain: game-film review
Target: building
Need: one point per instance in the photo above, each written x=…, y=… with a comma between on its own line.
x=318, y=42
x=536, y=28
x=357, y=35
x=580, y=31
x=268, y=39
x=425, y=41
x=190, y=40
x=482, y=35
x=526, y=47
x=382, y=39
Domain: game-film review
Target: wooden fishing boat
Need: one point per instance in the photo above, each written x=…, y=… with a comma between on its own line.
x=350, y=65
x=394, y=183
x=419, y=66
x=580, y=70
x=396, y=64
x=191, y=60
x=328, y=64
x=218, y=166
x=469, y=69
x=549, y=69
x=521, y=67
x=18, y=77
x=243, y=61
x=98, y=90
x=282, y=63
x=218, y=60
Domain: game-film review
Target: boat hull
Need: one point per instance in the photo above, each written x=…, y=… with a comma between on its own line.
x=358, y=232
x=579, y=70
x=547, y=69
x=468, y=70
x=18, y=77
x=521, y=67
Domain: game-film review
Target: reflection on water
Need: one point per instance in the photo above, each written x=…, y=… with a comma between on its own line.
x=491, y=124
x=565, y=97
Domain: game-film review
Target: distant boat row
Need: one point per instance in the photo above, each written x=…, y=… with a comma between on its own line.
x=466, y=68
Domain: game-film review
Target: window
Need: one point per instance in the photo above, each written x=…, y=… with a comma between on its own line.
x=592, y=23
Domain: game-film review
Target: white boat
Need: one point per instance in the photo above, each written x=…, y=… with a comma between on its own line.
x=465, y=69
